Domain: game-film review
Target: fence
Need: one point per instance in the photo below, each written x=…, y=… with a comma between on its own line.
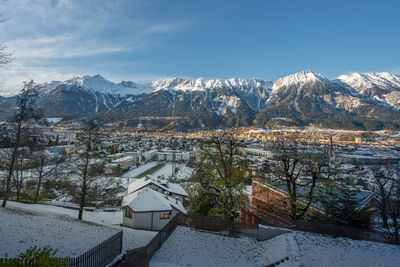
x=142, y=256
x=342, y=231
x=100, y=255
x=215, y=224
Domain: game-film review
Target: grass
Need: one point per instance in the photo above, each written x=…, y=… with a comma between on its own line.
x=151, y=170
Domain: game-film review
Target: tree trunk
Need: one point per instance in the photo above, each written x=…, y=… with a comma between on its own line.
x=84, y=180
x=40, y=180
x=11, y=166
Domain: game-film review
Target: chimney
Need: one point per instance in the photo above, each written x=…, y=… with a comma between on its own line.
x=177, y=200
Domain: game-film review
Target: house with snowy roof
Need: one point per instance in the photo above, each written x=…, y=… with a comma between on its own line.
x=161, y=185
x=148, y=209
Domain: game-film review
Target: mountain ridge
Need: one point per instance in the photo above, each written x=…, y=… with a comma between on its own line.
x=301, y=98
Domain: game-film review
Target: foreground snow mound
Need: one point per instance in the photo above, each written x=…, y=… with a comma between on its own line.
x=57, y=217
x=306, y=249
x=188, y=247
x=19, y=231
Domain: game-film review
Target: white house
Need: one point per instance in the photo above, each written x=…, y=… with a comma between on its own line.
x=125, y=162
x=160, y=185
x=149, y=210
x=149, y=155
x=171, y=155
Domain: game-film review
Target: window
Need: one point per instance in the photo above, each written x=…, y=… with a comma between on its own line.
x=128, y=212
x=165, y=215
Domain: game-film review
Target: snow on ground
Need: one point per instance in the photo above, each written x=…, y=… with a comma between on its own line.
x=308, y=249
x=184, y=172
x=188, y=247
x=110, y=221
x=100, y=217
x=166, y=171
x=137, y=171
x=19, y=231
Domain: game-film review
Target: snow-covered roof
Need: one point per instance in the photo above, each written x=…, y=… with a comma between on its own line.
x=166, y=186
x=126, y=158
x=146, y=199
x=177, y=205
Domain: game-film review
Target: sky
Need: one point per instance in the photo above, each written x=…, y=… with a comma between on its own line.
x=144, y=40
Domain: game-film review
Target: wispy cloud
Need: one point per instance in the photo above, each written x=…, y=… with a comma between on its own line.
x=165, y=27
x=50, y=37
x=62, y=46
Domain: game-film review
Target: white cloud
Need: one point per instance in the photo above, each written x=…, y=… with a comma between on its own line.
x=61, y=46
x=51, y=38
x=13, y=76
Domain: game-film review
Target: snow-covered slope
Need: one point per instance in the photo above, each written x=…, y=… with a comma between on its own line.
x=98, y=84
x=218, y=95
x=186, y=85
x=381, y=86
x=299, y=79
x=362, y=82
x=305, y=96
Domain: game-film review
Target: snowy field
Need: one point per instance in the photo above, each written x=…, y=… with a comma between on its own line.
x=184, y=172
x=61, y=220
x=137, y=171
x=166, y=171
x=308, y=249
x=188, y=247
x=19, y=231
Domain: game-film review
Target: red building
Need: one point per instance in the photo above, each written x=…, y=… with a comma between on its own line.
x=268, y=203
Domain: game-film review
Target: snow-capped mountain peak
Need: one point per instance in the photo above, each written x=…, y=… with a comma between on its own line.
x=365, y=81
x=93, y=83
x=201, y=84
x=298, y=79
x=98, y=84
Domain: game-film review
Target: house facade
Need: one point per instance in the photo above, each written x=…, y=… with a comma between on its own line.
x=148, y=209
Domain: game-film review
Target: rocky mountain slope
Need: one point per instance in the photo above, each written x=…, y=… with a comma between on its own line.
x=351, y=101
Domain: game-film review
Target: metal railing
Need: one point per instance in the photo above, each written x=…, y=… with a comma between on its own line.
x=100, y=255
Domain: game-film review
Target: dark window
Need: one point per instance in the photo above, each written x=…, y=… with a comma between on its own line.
x=128, y=212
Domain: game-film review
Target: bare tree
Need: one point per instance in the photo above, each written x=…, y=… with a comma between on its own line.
x=45, y=166
x=386, y=186
x=394, y=208
x=26, y=111
x=383, y=188
x=86, y=169
x=18, y=175
x=5, y=55
x=297, y=172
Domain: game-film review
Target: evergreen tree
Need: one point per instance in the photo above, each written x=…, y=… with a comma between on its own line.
x=341, y=203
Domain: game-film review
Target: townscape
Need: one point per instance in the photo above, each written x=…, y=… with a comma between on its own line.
x=139, y=182
x=199, y=133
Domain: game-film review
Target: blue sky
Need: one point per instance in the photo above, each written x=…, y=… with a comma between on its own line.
x=146, y=40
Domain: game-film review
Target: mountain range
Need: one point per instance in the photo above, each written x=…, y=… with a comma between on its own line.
x=357, y=101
